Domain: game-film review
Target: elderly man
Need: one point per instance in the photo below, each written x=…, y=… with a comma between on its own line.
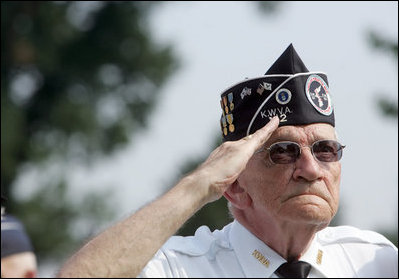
x=279, y=169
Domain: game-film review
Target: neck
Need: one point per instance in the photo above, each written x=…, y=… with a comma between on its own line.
x=289, y=239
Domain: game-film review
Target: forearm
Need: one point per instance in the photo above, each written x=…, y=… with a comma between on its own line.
x=124, y=249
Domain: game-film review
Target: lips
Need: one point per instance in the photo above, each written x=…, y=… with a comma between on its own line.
x=310, y=191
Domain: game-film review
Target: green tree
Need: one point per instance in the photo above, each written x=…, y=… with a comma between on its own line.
x=387, y=106
x=78, y=80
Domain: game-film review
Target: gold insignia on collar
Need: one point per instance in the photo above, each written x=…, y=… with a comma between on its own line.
x=258, y=255
x=319, y=256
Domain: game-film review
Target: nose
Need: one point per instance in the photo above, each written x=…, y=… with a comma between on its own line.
x=307, y=167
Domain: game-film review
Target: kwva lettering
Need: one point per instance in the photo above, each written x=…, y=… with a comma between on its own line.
x=270, y=113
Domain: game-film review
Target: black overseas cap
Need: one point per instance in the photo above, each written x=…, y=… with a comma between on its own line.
x=14, y=238
x=287, y=89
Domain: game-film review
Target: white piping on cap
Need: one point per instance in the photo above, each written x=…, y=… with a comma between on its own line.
x=274, y=91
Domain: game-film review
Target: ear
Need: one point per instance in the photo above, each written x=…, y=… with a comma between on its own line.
x=237, y=195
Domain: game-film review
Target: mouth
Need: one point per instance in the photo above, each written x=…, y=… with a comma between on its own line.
x=305, y=195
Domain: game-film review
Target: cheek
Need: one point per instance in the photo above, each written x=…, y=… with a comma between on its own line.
x=335, y=183
x=265, y=184
x=332, y=182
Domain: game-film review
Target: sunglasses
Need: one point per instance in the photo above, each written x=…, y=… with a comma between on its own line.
x=287, y=152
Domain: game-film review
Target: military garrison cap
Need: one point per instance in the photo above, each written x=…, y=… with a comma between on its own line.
x=287, y=90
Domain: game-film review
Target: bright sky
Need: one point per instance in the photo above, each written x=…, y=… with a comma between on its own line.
x=219, y=44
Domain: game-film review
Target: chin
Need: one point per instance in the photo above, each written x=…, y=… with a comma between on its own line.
x=314, y=219
x=310, y=213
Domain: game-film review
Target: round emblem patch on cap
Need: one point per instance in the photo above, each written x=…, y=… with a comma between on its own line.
x=318, y=94
x=283, y=96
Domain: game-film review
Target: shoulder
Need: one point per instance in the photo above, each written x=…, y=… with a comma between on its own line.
x=358, y=253
x=191, y=256
x=202, y=242
x=349, y=234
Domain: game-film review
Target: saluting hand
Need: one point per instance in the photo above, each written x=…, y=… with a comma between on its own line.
x=226, y=162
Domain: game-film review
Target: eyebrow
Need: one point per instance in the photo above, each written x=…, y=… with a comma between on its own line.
x=317, y=133
x=291, y=137
x=283, y=137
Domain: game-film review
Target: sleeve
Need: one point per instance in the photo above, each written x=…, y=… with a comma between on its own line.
x=164, y=264
x=373, y=260
x=157, y=267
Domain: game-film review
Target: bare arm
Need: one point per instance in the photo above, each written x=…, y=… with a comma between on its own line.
x=124, y=249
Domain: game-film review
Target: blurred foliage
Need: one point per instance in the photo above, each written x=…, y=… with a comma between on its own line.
x=386, y=105
x=78, y=79
x=55, y=220
x=392, y=235
x=389, y=46
x=269, y=7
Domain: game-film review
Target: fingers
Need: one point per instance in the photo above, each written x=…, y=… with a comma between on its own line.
x=259, y=138
x=247, y=137
x=227, y=161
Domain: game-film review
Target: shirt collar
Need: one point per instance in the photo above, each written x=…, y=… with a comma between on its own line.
x=316, y=256
x=254, y=256
x=259, y=260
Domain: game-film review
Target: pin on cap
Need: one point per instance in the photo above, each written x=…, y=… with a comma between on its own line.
x=287, y=90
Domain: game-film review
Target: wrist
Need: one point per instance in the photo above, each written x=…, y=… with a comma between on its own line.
x=200, y=182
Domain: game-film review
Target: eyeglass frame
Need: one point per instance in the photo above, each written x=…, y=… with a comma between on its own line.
x=300, y=150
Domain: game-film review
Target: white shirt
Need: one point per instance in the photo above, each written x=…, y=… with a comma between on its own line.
x=234, y=251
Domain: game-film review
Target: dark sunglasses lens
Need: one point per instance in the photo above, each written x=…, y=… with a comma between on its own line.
x=327, y=150
x=284, y=152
